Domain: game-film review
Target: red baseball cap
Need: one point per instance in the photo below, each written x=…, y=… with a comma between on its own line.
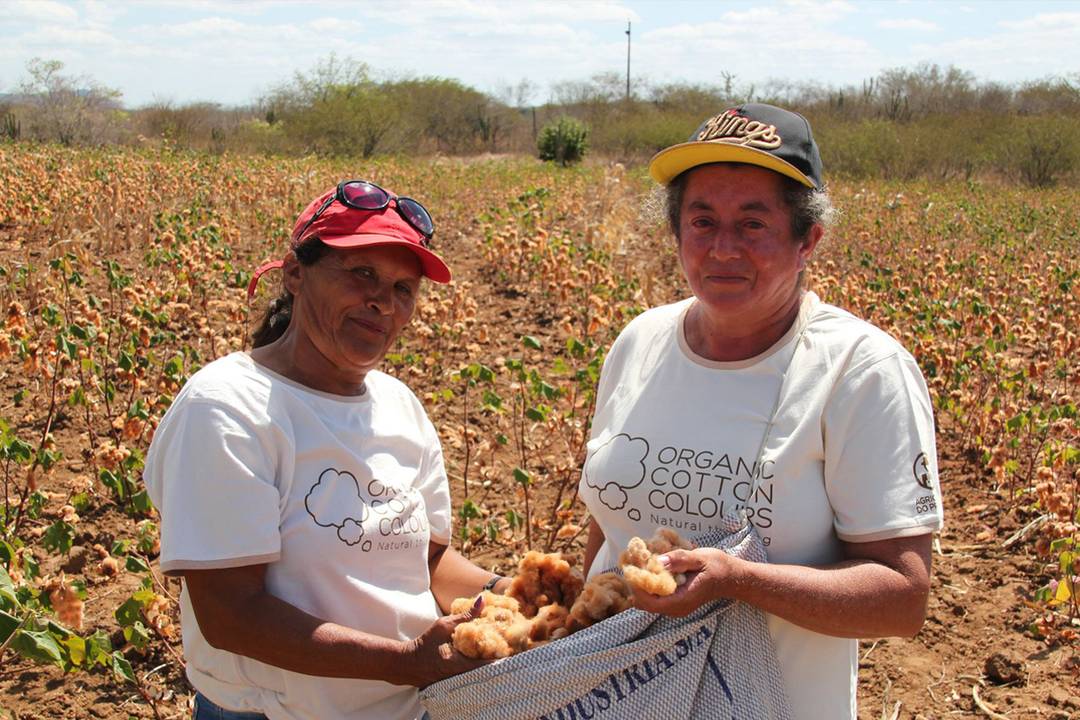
x=342, y=226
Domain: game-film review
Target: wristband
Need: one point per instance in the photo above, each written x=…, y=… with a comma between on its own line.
x=490, y=584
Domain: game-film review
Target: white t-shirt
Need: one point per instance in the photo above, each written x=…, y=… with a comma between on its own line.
x=339, y=496
x=851, y=456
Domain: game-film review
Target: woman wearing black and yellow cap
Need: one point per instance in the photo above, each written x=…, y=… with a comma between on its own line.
x=753, y=396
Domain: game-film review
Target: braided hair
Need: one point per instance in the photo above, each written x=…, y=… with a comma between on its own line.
x=276, y=319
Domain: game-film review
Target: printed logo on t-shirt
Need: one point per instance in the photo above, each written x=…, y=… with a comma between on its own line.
x=921, y=470
x=623, y=457
x=377, y=515
x=680, y=487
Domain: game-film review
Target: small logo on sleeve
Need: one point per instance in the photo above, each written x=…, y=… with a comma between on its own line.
x=921, y=470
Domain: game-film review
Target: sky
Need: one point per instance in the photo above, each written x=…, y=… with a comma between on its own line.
x=233, y=51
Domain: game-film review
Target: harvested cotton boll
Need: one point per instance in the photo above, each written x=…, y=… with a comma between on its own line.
x=480, y=641
x=499, y=631
x=490, y=599
x=656, y=582
x=604, y=595
x=543, y=579
x=516, y=633
x=644, y=571
x=548, y=619
x=665, y=540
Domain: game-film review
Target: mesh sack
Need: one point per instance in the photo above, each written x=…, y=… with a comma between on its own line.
x=716, y=663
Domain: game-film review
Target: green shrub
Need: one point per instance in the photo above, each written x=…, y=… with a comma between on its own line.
x=865, y=148
x=563, y=140
x=1043, y=150
x=937, y=147
x=641, y=134
x=259, y=136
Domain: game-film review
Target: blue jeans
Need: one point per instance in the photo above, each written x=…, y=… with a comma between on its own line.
x=206, y=710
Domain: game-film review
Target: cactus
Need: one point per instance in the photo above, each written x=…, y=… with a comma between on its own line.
x=564, y=140
x=10, y=127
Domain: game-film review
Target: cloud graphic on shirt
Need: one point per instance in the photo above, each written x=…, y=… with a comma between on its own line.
x=613, y=496
x=350, y=532
x=623, y=460
x=334, y=501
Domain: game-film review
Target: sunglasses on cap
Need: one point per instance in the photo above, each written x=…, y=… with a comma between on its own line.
x=365, y=195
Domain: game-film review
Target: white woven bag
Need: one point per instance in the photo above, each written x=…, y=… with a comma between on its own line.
x=717, y=663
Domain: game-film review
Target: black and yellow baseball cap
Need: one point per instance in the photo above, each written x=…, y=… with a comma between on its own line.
x=752, y=133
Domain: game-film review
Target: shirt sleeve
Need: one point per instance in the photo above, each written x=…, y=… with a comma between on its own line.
x=434, y=486
x=880, y=456
x=213, y=481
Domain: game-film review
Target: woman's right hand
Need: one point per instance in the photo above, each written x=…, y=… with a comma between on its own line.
x=431, y=657
x=710, y=575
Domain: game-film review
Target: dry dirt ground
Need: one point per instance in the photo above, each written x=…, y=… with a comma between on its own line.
x=973, y=650
x=974, y=639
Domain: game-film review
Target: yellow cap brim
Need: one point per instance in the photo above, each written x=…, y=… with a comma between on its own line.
x=667, y=164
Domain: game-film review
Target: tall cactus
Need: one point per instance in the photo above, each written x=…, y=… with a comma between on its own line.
x=10, y=127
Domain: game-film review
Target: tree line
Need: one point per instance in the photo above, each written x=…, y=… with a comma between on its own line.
x=923, y=121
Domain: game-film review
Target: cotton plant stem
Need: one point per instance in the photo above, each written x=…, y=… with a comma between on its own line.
x=11, y=637
x=990, y=713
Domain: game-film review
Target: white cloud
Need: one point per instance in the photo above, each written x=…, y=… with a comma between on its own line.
x=213, y=7
x=202, y=28
x=52, y=36
x=229, y=51
x=488, y=16
x=99, y=13
x=42, y=11
x=789, y=41
x=334, y=26
x=1045, y=22
x=769, y=29
x=909, y=24
x=1030, y=48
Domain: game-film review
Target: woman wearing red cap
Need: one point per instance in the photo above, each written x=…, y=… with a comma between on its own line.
x=752, y=396
x=302, y=492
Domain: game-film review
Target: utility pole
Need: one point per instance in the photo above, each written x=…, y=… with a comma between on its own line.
x=627, y=61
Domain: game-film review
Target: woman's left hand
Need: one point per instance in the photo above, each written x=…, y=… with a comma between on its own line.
x=710, y=575
x=879, y=589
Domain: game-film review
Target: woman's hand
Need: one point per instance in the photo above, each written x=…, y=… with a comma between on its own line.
x=710, y=575
x=235, y=613
x=878, y=590
x=432, y=657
